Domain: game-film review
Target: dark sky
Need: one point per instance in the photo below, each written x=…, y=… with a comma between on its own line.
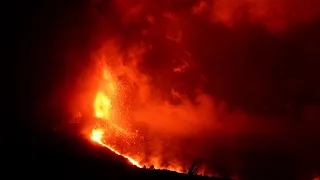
x=260, y=64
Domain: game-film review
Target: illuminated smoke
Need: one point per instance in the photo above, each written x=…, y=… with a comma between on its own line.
x=192, y=74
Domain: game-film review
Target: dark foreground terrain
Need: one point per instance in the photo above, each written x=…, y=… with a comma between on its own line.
x=68, y=156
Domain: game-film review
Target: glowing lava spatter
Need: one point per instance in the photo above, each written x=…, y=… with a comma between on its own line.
x=110, y=132
x=103, y=110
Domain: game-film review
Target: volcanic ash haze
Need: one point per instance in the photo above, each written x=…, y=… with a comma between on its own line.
x=209, y=80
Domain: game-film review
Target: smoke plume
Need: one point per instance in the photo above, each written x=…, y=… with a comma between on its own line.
x=230, y=82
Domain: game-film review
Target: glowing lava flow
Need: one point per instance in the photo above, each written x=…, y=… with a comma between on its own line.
x=97, y=135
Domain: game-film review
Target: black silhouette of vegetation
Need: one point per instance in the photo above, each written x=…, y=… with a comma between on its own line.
x=193, y=168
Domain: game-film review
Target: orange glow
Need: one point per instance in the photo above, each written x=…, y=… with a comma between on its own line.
x=157, y=85
x=102, y=106
x=102, y=103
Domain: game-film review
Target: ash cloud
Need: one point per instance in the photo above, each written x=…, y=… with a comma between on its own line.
x=246, y=92
x=276, y=15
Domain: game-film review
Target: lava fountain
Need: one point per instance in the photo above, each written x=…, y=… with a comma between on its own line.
x=109, y=131
x=103, y=105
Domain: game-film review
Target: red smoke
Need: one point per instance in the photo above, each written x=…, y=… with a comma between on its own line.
x=274, y=14
x=216, y=80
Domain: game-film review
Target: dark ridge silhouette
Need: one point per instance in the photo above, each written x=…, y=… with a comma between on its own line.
x=65, y=155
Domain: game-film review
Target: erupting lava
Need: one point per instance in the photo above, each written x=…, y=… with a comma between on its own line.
x=103, y=110
x=109, y=131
